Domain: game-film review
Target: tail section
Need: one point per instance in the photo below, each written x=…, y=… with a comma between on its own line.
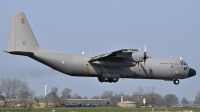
x=21, y=39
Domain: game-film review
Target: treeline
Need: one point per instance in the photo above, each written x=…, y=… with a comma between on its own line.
x=15, y=88
x=152, y=98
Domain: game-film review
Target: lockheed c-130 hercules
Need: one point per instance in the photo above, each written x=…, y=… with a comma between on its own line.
x=109, y=67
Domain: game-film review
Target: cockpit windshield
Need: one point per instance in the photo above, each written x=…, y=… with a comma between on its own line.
x=183, y=63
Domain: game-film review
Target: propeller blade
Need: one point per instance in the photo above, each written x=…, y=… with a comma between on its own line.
x=145, y=54
x=145, y=48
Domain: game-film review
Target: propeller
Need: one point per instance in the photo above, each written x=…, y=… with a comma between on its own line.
x=145, y=54
x=139, y=53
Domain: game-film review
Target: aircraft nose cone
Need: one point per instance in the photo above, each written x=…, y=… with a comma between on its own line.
x=191, y=72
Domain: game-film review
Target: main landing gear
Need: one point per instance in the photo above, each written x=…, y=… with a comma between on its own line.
x=176, y=81
x=110, y=80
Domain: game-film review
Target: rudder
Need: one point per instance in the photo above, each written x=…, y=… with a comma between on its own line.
x=21, y=38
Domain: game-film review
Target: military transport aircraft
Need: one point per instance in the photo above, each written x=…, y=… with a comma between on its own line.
x=109, y=67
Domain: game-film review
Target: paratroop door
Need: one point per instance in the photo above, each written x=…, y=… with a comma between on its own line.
x=86, y=68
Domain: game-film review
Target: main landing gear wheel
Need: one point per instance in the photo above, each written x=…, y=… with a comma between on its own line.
x=100, y=79
x=110, y=80
x=115, y=79
x=176, y=81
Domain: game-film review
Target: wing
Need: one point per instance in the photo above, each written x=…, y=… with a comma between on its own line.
x=114, y=55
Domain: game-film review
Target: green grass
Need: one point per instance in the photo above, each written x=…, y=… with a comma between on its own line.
x=99, y=109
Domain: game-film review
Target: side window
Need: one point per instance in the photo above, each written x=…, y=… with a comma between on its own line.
x=185, y=68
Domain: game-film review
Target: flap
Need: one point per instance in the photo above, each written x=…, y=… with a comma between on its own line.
x=118, y=54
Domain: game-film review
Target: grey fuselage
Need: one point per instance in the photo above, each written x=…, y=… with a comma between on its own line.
x=109, y=67
x=78, y=65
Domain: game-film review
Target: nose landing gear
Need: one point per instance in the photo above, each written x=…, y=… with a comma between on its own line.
x=176, y=81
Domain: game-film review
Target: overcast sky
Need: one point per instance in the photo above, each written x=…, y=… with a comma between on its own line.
x=169, y=28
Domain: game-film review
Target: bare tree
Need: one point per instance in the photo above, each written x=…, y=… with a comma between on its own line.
x=1, y=89
x=170, y=99
x=66, y=93
x=95, y=97
x=127, y=97
x=54, y=97
x=24, y=93
x=197, y=98
x=15, y=85
x=140, y=90
x=107, y=94
x=24, y=90
x=137, y=97
x=85, y=97
x=149, y=94
x=15, y=88
x=76, y=96
x=7, y=86
x=54, y=90
x=184, y=101
x=150, y=89
x=159, y=100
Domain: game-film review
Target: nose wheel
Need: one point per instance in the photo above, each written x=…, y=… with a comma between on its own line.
x=176, y=81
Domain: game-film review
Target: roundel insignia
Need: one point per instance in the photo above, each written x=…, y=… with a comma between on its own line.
x=23, y=42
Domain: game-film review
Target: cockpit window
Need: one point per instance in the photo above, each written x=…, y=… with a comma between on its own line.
x=183, y=63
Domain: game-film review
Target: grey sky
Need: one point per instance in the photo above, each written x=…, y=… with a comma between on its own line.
x=169, y=28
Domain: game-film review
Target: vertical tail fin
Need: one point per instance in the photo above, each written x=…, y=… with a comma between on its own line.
x=21, y=39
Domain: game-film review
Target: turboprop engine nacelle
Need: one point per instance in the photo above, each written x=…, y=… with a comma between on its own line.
x=134, y=57
x=137, y=57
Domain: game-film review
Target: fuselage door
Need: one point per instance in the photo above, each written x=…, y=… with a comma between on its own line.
x=86, y=68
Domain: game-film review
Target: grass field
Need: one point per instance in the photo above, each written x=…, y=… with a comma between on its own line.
x=99, y=109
